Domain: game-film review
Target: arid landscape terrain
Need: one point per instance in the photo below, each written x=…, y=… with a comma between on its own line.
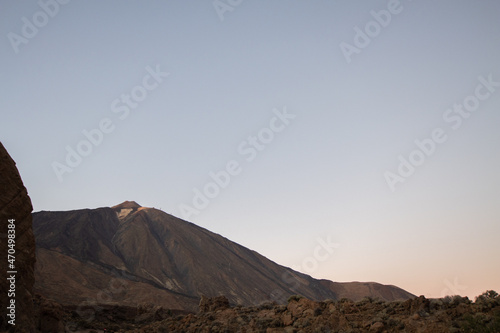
x=128, y=254
x=298, y=314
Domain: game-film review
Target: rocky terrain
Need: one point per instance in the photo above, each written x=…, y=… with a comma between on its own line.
x=299, y=314
x=127, y=255
x=15, y=204
x=450, y=314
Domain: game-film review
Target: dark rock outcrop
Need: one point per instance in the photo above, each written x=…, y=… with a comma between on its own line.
x=49, y=315
x=15, y=204
x=128, y=254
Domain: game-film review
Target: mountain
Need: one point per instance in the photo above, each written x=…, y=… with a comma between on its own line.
x=128, y=254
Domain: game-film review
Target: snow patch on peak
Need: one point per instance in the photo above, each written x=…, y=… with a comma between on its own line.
x=123, y=213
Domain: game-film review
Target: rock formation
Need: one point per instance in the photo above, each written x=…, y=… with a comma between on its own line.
x=15, y=204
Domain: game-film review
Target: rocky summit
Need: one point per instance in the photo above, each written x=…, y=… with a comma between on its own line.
x=128, y=254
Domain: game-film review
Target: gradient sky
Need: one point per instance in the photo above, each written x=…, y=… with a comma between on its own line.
x=321, y=176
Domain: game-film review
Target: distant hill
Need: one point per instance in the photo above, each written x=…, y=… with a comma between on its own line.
x=128, y=254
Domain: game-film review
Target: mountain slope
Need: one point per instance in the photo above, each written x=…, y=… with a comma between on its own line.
x=156, y=257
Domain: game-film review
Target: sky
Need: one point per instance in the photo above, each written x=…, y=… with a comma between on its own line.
x=350, y=140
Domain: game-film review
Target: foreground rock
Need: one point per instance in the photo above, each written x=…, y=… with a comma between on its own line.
x=15, y=204
x=451, y=314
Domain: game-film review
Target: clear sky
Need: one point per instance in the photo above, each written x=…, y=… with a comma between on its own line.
x=371, y=125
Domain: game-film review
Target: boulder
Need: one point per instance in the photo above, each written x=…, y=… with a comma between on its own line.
x=214, y=303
